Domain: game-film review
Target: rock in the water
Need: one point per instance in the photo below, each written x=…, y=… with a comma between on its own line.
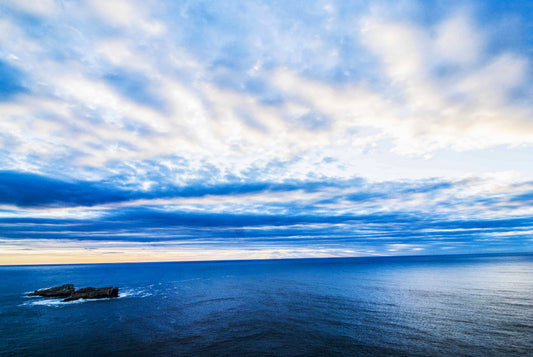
x=56, y=291
x=67, y=291
x=93, y=293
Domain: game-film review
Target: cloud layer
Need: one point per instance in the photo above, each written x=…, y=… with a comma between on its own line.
x=321, y=127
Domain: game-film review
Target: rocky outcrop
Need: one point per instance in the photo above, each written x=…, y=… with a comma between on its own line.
x=93, y=293
x=56, y=291
x=67, y=291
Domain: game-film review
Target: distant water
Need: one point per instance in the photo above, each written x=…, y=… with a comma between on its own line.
x=411, y=306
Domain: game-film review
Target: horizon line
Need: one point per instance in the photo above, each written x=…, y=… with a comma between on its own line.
x=278, y=259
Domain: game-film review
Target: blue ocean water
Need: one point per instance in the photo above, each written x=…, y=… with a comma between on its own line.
x=475, y=305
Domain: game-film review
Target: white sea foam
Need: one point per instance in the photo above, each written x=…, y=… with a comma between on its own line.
x=127, y=293
x=51, y=302
x=59, y=302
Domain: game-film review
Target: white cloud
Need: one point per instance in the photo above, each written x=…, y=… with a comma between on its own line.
x=422, y=112
x=127, y=14
x=39, y=8
x=490, y=85
x=399, y=46
x=74, y=114
x=458, y=41
x=121, y=52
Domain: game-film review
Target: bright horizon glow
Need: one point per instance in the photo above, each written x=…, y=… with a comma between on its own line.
x=78, y=255
x=157, y=130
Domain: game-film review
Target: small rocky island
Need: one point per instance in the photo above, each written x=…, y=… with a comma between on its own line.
x=68, y=292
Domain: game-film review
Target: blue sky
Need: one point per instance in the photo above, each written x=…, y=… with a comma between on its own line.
x=191, y=130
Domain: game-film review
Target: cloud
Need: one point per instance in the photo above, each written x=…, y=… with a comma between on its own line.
x=335, y=213
x=326, y=234
x=470, y=108
x=139, y=102
x=41, y=8
x=303, y=123
x=127, y=14
x=458, y=41
x=31, y=190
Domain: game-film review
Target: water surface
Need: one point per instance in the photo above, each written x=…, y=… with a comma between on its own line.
x=476, y=305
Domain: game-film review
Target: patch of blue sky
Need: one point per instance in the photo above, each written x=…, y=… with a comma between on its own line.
x=314, y=121
x=11, y=81
x=134, y=86
x=262, y=90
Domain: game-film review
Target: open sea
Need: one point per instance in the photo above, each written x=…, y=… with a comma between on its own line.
x=469, y=305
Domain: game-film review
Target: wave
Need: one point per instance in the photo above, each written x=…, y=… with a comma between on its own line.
x=50, y=302
x=138, y=292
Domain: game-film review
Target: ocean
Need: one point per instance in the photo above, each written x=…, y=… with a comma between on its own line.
x=468, y=305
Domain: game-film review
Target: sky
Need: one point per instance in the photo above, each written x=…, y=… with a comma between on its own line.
x=195, y=130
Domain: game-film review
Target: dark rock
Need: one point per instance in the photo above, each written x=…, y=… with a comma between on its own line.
x=67, y=291
x=93, y=293
x=56, y=291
